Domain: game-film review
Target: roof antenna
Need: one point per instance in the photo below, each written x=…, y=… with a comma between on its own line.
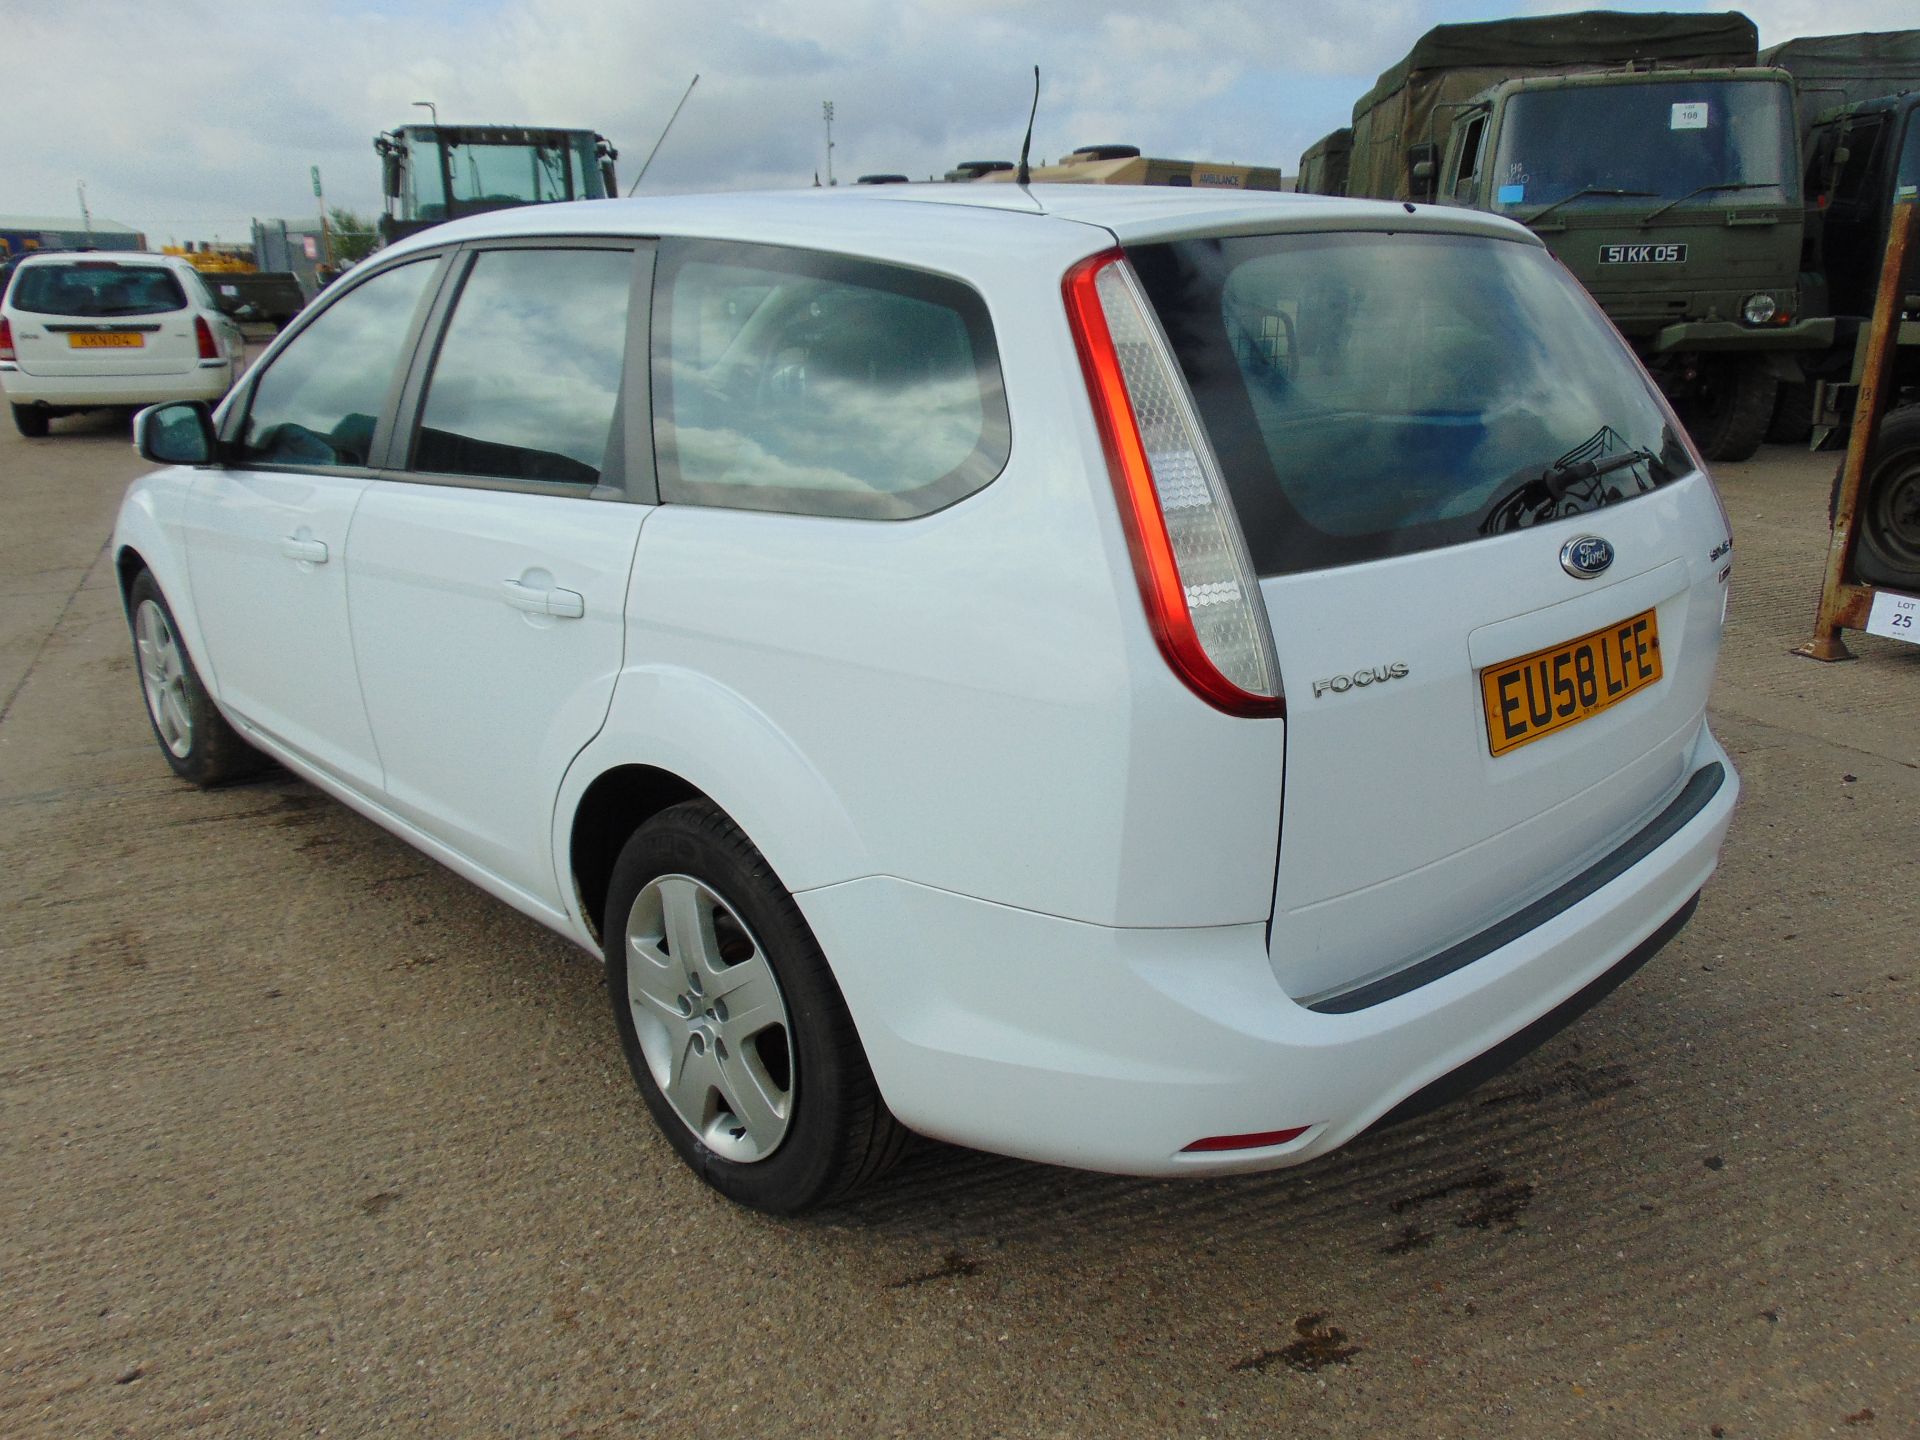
x=1023, y=176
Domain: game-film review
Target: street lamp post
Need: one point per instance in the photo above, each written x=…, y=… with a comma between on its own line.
x=826, y=110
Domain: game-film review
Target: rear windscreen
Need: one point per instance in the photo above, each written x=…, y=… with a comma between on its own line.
x=1372, y=394
x=97, y=288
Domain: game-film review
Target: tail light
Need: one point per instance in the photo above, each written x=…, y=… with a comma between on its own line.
x=6, y=339
x=1202, y=600
x=203, y=333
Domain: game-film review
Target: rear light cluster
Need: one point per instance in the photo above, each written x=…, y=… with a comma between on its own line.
x=6, y=339
x=203, y=333
x=1201, y=595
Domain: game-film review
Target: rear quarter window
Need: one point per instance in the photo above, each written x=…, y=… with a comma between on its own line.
x=815, y=384
x=97, y=289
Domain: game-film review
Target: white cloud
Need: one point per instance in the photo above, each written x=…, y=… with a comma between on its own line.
x=185, y=117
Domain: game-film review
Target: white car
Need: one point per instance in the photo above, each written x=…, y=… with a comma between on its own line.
x=96, y=329
x=1149, y=680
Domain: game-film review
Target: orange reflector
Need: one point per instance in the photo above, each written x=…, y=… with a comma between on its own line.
x=1247, y=1142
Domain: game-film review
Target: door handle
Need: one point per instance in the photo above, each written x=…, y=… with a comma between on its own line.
x=561, y=604
x=314, y=552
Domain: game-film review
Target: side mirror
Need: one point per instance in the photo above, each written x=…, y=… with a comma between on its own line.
x=1841, y=155
x=180, y=433
x=1423, y=170
x=390, y=175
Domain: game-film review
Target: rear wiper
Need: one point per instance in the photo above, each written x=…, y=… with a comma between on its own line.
x=1707, y=189
x=1590, y=190
x=1539, y=496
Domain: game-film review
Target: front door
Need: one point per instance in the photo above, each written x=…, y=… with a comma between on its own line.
x=267, y=534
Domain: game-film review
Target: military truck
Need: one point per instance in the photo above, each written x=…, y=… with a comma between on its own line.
x=1863, y=159
x=1125, y=165
x=1848, y=185
x=432, y=173
x=1324, y=165
x=1656, y=158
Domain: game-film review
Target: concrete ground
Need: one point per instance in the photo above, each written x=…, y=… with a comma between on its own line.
x=299, y=1134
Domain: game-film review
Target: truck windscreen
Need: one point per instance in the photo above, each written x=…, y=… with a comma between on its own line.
x=1633, y=145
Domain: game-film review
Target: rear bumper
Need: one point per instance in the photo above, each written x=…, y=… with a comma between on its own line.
x=207, y=382
x=1114, y=1049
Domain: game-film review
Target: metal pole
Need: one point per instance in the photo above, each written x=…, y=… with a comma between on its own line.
x=1842, y=603
x=826, y=109
x=663, y=136
x=428, y=105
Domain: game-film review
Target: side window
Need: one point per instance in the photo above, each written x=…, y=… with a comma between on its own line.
x=528, y=373
x=1863, y=141
x=1907, y=177
x=317, y=404
x=1468, y=157
x=816, y=384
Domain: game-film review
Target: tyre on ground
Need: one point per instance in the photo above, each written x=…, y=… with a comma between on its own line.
x=194, y=736
x=31, y=421
x=1730, y=407
x=1886, y=547
x=1792, y=422
x=733, y=1027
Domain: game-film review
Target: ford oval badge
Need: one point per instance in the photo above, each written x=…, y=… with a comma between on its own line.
x=1585, y=556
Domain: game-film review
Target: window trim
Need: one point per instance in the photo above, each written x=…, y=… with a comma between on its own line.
x=990, y=455
x=233, y=424
x=629, y=443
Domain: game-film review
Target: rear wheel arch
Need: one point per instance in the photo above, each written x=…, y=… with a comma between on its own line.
x=617, y=803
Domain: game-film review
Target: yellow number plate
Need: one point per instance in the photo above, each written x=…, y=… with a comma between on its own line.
x=100, y=340
x=1562, y=685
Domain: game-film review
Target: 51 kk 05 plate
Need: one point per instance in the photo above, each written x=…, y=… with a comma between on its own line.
x=1535, y=695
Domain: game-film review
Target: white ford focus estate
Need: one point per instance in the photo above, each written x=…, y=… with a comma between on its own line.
x=97, y=329
x=1155, y=681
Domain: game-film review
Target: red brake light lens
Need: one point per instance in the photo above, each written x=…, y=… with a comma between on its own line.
x=6, y=339
x=202, y=332
x=1228, y=587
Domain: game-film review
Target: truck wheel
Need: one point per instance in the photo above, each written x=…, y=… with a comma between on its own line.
x=1792, y=422
x=31, y=421
x=1728, y=412
x=1887, y=551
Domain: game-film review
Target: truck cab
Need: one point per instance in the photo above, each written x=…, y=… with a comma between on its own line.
x=1674, y=196
x=432, y=173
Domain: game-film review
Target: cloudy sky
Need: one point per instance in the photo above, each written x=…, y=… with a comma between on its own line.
x=187, y=117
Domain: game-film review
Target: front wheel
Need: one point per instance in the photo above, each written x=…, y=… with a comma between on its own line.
x=732, y=1024
x=1730, y=406
x=194, y=736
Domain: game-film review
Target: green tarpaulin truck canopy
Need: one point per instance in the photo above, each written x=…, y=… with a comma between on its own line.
x=1416, y=99
x=1834, y=70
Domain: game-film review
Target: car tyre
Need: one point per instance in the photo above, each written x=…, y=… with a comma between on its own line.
x=193, y=735
x=31, y=421
x=733, y=1027
x=1887, y=520
x=1728, y=414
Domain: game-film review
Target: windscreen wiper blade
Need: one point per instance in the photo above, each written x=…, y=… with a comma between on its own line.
x=1589, y=190
x=1709, y=189
x=1539, y=496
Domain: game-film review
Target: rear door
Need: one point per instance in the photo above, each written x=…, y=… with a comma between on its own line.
x=95, y=315
x=1420, y=432
x=267, y=534
x=489, y=564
